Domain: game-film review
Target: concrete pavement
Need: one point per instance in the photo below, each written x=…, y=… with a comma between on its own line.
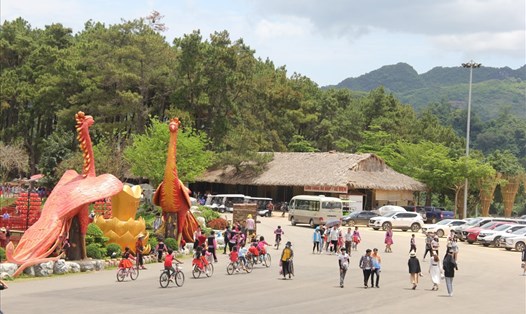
x=488, y=280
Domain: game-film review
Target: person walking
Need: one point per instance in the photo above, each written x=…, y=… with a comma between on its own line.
x=452, y=245
x=343, y=262
x=139, y=251
x=348, y=240
x=377, y=267
x=356, y=238
x=250, y=225
x=212, y=244
x=449, y=265
x=160, y=248
x=523, y=264
x=286, y=260
x=334, y=235
x=429, y=239
x=435, y=272
x=412, y=243
x=435, y=245
x=414, y=269
x=226, y=238
x=366, y=264
x=316, y=239
x=388, y=240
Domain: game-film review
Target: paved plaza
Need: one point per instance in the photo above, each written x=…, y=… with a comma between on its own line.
x=488, y=281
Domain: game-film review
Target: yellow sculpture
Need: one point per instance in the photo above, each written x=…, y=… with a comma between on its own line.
x=122, y=228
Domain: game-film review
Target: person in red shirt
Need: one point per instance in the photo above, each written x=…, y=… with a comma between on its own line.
x=234, y=256
x=201, y=239
x=168, y=263
x=254, y=251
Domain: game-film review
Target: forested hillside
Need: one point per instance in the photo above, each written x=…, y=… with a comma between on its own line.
x=127, y=76
x=493, y=88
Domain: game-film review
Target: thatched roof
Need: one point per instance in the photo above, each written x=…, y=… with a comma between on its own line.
x=356, y=171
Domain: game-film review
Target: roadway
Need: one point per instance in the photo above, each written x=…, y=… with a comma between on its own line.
x=488, y=280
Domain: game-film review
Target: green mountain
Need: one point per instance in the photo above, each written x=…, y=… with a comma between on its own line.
x=492, y=87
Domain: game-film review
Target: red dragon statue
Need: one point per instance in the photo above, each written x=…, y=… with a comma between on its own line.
x=173, y=196
x=69, y=199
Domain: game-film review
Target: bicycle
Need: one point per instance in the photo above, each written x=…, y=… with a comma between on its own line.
x=263, y=259
x=208, y=270
x=125, y=272
x=178, y=276
x=278, y=241
x=237, y=266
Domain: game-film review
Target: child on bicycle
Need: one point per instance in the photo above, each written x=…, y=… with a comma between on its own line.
x=234, y=256
x=278, y=232
x=242, y=255
x=253, y=250
x=261, y=245
x=198, y=257
x=127, y=258
x=168, y=263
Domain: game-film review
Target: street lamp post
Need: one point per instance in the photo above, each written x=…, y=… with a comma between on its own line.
x=469, y=65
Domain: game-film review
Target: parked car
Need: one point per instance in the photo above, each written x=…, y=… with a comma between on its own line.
x=416, y=209
x=358, y=218
x=518, y=243
x=492, y=237
x=261, y=205
x=398, y=220
x=462, y=233
x=443, y=227
x=224, y=202
x=504, y=239
x=435, y=214
x=472, y=233
x=389, y=209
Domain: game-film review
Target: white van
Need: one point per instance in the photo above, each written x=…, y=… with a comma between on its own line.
x=314, y=209
x=225, y=202
x=261, y=205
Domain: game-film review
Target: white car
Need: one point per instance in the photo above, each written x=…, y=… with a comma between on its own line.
x=509, y=241
x=443, y=227
x=487, y=237
x=518, y=243
x=390, y=209
x=398, y=220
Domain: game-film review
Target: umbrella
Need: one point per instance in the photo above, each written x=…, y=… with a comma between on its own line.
x=332, y=222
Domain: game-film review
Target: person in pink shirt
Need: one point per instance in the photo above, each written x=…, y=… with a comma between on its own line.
x=250, y=225
x=261, y=245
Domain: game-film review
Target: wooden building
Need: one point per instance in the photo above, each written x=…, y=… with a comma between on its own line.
x=333, y=174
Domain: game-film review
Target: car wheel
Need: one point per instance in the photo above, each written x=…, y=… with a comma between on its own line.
x=440, y=233
x=292, y=221
x=471, y=242
x=351, y=223
x=267, y=214
x=386, y=225
x=311, y=224
x=222, y=210
x=376, y=228
x=496, y=242
x=508, y=249
x=415, y=227
x=519, y=246
x=485, y=244
x=404, y=230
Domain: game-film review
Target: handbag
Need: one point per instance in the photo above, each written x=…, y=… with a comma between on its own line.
x=442, y=276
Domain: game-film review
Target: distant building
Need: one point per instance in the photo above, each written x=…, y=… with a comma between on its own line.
x=333, y=174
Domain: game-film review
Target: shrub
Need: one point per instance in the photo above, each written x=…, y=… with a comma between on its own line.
x=152, y=241
x=217, y=224
x=209, y=214
x=95, y=235
x=2, y=254
x=113, y=248
x=94, y=251
x=171, y=243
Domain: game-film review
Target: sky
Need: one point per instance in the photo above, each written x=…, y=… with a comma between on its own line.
x=325, y=40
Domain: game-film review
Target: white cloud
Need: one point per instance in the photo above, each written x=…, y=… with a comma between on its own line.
x=511, y=43
x=293, y=27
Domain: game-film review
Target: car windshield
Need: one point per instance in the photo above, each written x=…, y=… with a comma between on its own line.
x=519, y=231
x=488, y=225
x=444, y=222
x=474, y=222
x=502, y=227
x=389, y=214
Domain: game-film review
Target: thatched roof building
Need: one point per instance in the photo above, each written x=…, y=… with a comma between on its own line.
x=329, y=172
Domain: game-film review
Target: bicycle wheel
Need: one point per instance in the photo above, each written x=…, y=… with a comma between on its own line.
x=249, y=267
x=277, y=245
x=196, y=272
x=133, y=273
x=230, y=268
x=121, y=274
x=267, y=260
x=209, y=270
x=164, y=279
x=179, y=278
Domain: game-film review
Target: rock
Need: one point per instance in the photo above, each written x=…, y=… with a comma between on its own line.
x=44, y=269
x=73, y=267
x=30, y=271
x=98, y=265
x=86, y=265
x=4, y=276
x=60, y=267
x=9, y=268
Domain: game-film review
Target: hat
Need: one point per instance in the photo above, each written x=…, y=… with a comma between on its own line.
x=249, y=216
x=2, y=229
x=140, y=235
x=288, y=243
x=412, y=254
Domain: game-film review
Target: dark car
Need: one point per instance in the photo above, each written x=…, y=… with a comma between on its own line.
x=416, y=209
x=358, y=218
